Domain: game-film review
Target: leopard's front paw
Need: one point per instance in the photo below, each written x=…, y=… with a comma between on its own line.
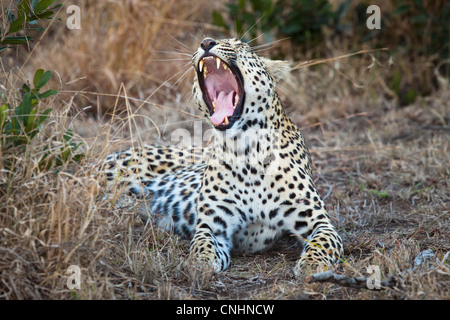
x=309, y=264
x=204, y=257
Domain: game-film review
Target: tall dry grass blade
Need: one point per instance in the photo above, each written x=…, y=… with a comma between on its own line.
x=309, y=63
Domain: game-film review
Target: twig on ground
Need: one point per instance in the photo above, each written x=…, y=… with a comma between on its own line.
x=369, y=283
x=352, y=282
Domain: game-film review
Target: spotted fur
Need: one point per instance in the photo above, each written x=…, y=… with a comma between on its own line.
x=244, y=194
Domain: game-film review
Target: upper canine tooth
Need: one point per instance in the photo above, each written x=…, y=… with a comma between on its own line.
x=200, y=65
x=218, y=63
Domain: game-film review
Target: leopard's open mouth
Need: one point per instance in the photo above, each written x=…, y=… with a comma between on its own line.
x=223, y=90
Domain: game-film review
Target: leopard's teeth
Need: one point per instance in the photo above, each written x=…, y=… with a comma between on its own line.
x=214, y=106
x=200, y=65
x=236, y=102
x=226, y=121
x=218, y=62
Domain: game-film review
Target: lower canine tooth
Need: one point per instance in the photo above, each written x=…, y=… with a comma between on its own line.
x=226, y=121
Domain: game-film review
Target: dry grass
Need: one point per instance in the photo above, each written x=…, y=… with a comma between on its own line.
x=383, y=169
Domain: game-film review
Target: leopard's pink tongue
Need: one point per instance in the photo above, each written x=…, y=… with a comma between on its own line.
x=223, y=107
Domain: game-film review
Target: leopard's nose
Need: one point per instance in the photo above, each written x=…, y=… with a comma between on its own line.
x=207, y=44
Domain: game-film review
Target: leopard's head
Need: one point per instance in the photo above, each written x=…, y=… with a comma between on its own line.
x=234, y=87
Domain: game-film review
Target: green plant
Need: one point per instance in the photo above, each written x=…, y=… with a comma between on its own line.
x=26, y=122
x=381, y=194
x=28, y=12
x=378, y=193
x=19, y=126
x=63, y=153
x=300, y=20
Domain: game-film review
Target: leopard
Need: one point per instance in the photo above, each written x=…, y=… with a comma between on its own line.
x=248, y=190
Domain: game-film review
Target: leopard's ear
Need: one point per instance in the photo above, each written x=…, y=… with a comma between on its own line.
x=278, y=69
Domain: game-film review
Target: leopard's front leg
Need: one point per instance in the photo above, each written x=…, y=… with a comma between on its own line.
x=323, y=249
x=212, y=241
x=322, y=244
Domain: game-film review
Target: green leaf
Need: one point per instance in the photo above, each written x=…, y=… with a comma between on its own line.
x=37, y=77
x=379, y=193
x=47, y=94
x=3, y=48
x=18, y=24
x=24, y=109
x=40, y=16
x=59, y=5
x=16, y=40
x=17, y=140
x=37, y=29
x=43, y=78
x=31, y=124
x=42, y=5
x=68, y=135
